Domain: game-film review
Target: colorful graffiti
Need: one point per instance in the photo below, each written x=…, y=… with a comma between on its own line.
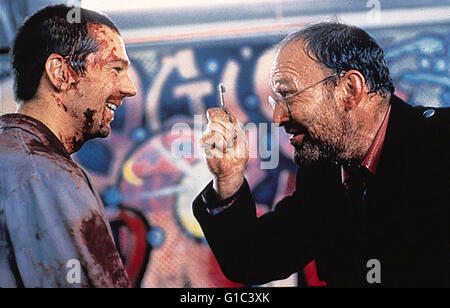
x=421, y=69
x=148, y=190
x=137, y=169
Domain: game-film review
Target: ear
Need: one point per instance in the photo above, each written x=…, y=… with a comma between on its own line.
x=354, y=87
x=56, y=70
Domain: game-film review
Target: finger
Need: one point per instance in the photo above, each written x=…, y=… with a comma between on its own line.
x=238, y=131
x=210, y=156
x=240, y=143
x=231, y=116
x=224, y=132
x=220, y=125
x=227, y=131
x=213, y=146
x=214, y=140
x=220, y=115
x=212, y=113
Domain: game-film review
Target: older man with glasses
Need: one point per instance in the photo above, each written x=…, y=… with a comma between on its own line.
x=371, y=182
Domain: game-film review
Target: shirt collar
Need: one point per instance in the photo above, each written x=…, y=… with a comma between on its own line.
x=35, y=127
x=372, y=157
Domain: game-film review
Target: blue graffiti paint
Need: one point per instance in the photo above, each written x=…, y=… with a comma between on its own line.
x=252, y=102
x=427, y=78
x=156, y=237
x=212, y=66
x=96, y=157
x=139, y=135
x=430, y=52
x=112, y=197
x=427, y=45
x=119, y=118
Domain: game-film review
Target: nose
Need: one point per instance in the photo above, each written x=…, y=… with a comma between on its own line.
x=128, y=89
x=280, y=115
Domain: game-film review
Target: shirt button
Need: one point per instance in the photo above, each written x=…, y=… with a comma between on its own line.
x=429, y=113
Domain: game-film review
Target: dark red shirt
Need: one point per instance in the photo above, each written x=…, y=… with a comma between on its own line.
x=370, y=162
x=372, y=158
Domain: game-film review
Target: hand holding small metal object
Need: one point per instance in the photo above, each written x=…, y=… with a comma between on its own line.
x=221, y=89
x=225, y=148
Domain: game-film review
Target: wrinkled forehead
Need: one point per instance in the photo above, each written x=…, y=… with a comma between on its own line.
x=292, y=55
x=111, y=44
x=292, y=62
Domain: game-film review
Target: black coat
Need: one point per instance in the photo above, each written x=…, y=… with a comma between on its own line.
x=405, y=226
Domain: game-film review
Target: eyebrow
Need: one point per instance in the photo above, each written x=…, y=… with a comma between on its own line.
x=283, y=83
x=122, y=61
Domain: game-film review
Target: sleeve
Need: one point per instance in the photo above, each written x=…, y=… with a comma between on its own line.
x=213, y=204
x=253, y=250
x=59, y=236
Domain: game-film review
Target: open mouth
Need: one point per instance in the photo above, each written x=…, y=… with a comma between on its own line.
x=301, y=130
x=111, y=107
x=298, y=134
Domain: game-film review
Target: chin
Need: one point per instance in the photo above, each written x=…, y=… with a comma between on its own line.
x=100, y=133
x=104, y=134
x=306, y=157
x=103, y=131
x=304, y=161
x=311, y=152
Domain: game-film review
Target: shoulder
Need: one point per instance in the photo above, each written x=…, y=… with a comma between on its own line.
x=22, y=160
x=433, y=125
x=433, y=115
x=426, y=124
x=422, y=113
x=421, y=134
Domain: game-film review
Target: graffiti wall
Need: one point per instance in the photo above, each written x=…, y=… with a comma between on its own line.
x=140, y=175
x=146, y=184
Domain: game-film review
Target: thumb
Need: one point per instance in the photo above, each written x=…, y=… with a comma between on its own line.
x=231, y=116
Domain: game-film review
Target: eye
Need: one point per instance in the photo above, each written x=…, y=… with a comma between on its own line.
x=117, y=69
x=284, y=94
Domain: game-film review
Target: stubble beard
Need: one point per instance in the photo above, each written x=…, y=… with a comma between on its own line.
x=94, y=125
x=331, y=137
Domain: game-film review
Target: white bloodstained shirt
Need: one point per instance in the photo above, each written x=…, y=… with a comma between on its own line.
x=53, y=230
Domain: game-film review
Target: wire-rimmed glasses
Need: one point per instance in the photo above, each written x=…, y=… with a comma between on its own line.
x=285, y=106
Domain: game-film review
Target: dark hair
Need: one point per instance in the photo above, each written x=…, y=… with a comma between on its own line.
x=341, y=48
x=49, y=31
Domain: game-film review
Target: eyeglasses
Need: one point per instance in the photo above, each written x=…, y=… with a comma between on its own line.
x=274, y=101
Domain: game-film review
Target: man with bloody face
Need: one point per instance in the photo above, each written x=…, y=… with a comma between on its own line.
x=69, y=80
x=372, y=177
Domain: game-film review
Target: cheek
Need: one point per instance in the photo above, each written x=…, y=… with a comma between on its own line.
x=305, y=112
x=101, y=84
x=91, y=96
x=317, y=119
x=98, y=87
x=108, y=82
x=321, y=110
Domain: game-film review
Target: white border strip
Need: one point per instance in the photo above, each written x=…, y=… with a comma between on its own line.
x=387, y=18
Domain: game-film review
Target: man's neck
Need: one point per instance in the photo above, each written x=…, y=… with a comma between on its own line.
x=379, y=111
x=365, y=127
x=59, y=122
x=372, y=157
